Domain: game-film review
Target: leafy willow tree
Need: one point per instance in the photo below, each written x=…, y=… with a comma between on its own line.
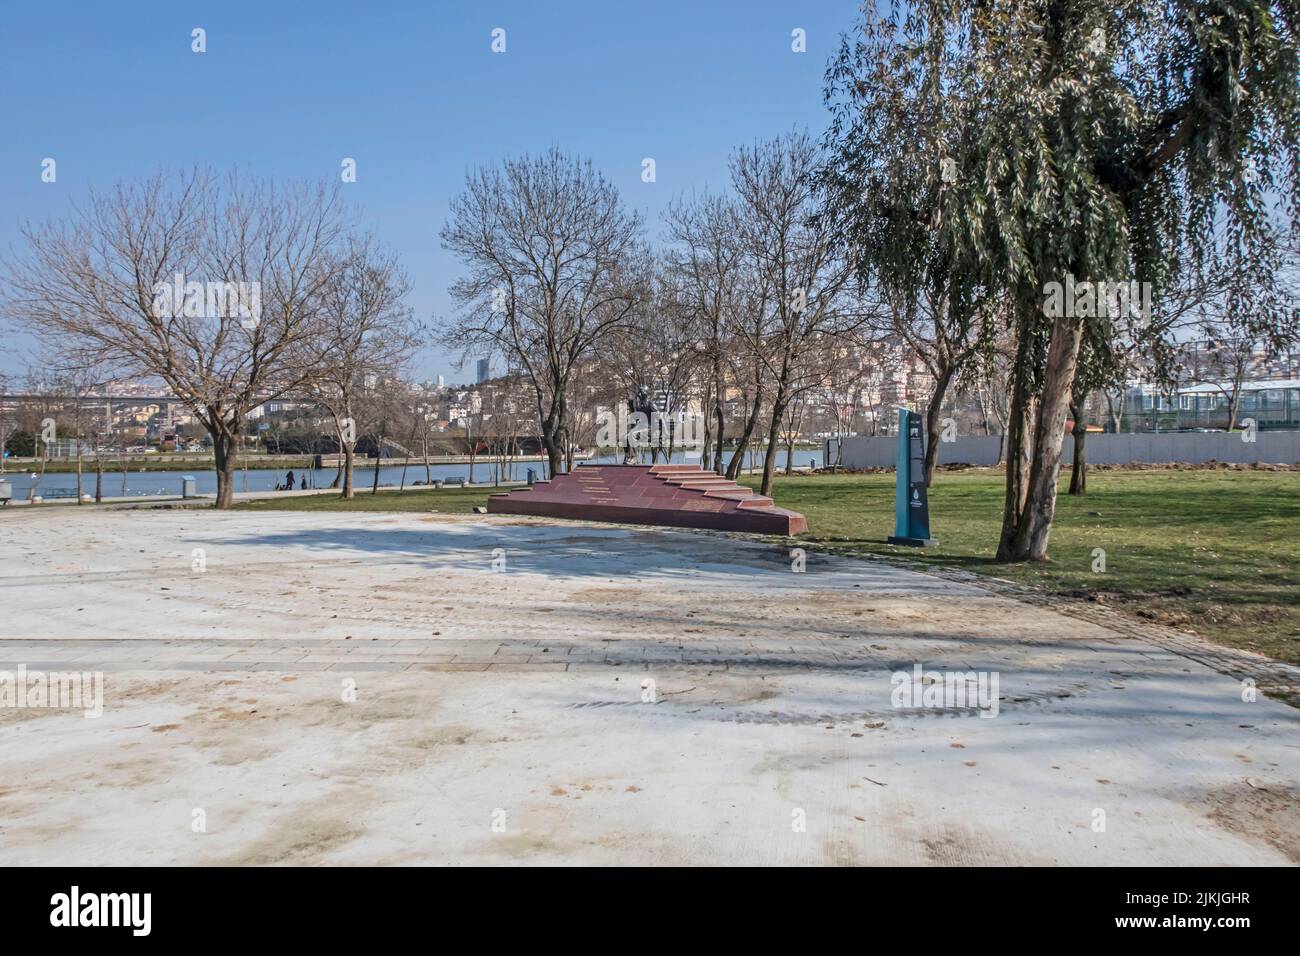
x=1067, y=139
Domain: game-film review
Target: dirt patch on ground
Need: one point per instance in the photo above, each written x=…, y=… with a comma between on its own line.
x=298, y=840
x=606, y=595
x=1268, y=812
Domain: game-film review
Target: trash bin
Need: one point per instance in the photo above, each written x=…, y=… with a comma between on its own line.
x=532, y=477
x=188, y=487
x=6, y=491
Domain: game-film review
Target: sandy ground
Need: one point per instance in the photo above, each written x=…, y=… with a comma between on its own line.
x=400, y=689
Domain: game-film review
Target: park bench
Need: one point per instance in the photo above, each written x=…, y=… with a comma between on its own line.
x=453, y=482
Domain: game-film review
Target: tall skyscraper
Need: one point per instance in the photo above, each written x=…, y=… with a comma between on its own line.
x=484, y=370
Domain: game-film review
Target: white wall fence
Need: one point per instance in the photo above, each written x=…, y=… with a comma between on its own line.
x=1275, y=447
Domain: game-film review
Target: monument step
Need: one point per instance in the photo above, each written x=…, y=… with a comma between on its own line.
x=675, y=495
x=667, y=469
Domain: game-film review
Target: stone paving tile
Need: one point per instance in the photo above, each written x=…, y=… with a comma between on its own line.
x=63, y=665
x=43, y=653
x=748, y=656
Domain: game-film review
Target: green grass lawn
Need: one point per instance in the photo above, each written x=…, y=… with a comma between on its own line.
x=1215, y=552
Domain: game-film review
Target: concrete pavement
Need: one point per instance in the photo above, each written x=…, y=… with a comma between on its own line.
x=385, y=688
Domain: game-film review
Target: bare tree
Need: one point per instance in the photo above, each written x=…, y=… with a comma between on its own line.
x=945, y=335
x=365, y=332
x=547, y=245
x=7, y=424
x=378, y=407
x=208, y=283
x=707, y=269
x=39, y=418
x=792, y=426
x=424, y=413
x=653, y=356
x=506, y=414
x=750, y=364
x=1226, y=361
x=797, y=259
x=852, y=371
x=988, y=377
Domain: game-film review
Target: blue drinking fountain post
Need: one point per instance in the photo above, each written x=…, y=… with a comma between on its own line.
x=911, y=504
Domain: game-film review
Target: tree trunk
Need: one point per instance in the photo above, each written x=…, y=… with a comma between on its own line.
x=932, y=423
x=45, y=456
x=553, y=457
x=738, y=456
x=773, y=441
x=561, y=436
x=379, y=456
x=1036, y=520
x=1079, y=465
x=225, y=454
x=1019, y=447
x=719, y=408
x=1116, y=412
x=349, y=450
x=706, y=453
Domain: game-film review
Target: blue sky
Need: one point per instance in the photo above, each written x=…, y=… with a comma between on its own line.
x=411, y=90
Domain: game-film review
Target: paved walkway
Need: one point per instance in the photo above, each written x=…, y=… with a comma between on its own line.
x=204, y=501
x=391, y=688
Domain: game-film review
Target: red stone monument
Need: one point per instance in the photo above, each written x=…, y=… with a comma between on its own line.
x=681, y=496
